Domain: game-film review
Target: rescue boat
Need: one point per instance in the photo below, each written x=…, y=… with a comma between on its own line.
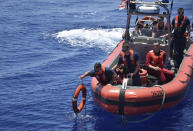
x=136, y=100
x=125, y=99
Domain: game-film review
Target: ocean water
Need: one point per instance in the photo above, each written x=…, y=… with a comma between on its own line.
x=45, y=45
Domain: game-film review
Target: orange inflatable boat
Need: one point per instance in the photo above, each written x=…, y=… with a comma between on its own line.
x=134, y=100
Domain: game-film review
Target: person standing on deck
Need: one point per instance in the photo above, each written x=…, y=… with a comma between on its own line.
x=180, y=24
x=155, y=60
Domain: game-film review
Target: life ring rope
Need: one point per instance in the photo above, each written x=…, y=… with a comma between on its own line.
x=79, y=108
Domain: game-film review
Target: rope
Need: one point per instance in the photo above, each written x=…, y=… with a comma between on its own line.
x=81, y=82
x=124, y=120
x=87, y=93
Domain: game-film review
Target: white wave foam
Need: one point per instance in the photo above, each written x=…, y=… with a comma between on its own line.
x=105, y=39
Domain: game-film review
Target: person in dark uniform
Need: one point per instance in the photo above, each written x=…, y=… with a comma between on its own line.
x=128, y=65
x=180, y=24
x=104, y=75
x=160, y=29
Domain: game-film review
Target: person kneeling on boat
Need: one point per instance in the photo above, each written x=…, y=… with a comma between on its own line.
x=104, y=75
x=128, y=65
x=155, y=60
x=160, y=29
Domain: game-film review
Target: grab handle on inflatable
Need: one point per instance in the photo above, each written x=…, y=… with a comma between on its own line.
x=79, y=108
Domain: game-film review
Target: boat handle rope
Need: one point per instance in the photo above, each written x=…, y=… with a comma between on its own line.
x=124, y=120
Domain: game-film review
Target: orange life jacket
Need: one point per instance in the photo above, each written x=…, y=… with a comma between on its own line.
x=125, y=62
x=129, y=65
x=101, y=77
x=157, y=60
x=182, y=22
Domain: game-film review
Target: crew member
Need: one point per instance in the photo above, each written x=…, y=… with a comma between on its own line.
x=179, y=26
x=128, y=64
x=160, y=29
x=155, y=60
x=104, y=75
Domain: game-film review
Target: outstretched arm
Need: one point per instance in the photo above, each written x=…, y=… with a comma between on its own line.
x=85, y=74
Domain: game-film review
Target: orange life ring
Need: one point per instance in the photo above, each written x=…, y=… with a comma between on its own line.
x=75, y=97
x=143, y=75
x=146, y=18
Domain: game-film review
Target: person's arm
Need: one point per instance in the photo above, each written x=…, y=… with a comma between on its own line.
x=164, y=58
x=188, y=27
x=114, y=67
x=85, y=74
x=114, y=76
x=110, y=75
x=147, y=60
x=188, y=31
x=165, y=32
x=173, y=24
x=136, y=58
x=154, y=32
x=136, y=69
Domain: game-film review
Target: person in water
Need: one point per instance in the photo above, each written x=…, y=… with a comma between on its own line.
x=155, y=60
x=104, y=75
x=160, y=29
x=128, y=65
x=180, y=24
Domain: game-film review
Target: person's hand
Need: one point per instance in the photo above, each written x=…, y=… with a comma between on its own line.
x=156, y=68
x=130, y=75
x=184, y=51
x=117, y=69
x=81, y=77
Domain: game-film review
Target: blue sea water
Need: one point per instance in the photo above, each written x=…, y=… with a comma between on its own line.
x=45, y=45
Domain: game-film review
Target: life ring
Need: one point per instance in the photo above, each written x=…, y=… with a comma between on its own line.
x=75, y=98
x=145, y=19
x=143, y=75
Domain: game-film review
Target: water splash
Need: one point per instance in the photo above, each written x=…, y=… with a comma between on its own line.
x=79, y=117
x=105, y=39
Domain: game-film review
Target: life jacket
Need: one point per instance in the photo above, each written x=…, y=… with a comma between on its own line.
x=179, y=31
x=101, y=77
x=157, y=60
x=126, y=62
x=131, y=52
x=157, y=27
x=182, y=22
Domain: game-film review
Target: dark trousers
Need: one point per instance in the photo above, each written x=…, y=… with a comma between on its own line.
x=179, y=46
x=136, y=80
